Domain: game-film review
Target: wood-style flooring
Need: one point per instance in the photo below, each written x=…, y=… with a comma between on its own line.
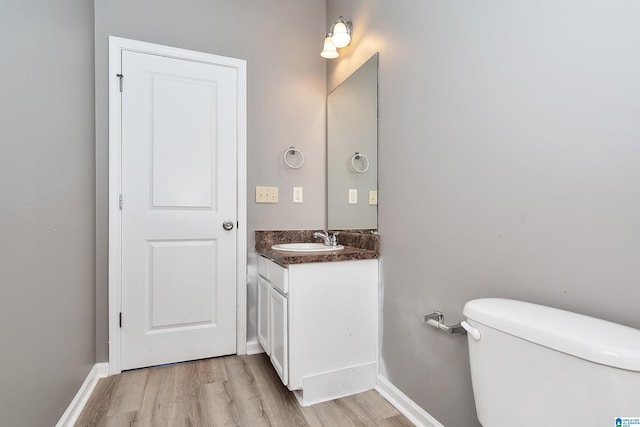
x=226, y=391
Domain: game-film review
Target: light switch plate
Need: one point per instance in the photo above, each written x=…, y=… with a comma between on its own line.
x=373, y=197
x=353, y=196
x=297, y=194
x=266, y=194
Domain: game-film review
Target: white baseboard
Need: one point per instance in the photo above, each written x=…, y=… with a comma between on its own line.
x=70, y=416
x=406, y=406
x=254, y=347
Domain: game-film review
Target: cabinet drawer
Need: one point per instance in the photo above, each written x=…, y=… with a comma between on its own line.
x=263, y=267
x=279, y=277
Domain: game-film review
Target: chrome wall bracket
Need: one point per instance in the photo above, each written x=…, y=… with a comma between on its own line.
x=436, y=319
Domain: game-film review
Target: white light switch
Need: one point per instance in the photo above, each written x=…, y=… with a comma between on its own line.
x=297, y=194
x=353, y=196
x=373, y=197
x=266, y=194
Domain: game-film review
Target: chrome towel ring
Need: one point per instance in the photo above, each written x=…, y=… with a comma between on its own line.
x=293, y=151
x=359, y=156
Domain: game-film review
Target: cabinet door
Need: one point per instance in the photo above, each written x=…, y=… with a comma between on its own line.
x=263, y=314
x=279, y=335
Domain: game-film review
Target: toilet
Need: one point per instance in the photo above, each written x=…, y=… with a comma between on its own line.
x=537, y=366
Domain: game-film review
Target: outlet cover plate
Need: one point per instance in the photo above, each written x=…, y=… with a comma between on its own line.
x=266, y=194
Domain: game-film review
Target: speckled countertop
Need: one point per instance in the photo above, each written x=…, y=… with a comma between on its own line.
x=357, y=246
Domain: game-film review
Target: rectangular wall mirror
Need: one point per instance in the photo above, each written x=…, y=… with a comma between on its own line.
x=352, y=151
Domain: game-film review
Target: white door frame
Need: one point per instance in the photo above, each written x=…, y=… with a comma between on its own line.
x=116, y=46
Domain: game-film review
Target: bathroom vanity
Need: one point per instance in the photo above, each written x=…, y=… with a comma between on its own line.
x=318, y=320
x=318, y=311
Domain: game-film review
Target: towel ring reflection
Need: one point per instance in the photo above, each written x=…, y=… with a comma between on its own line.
x=359, y=156
x=293, y=151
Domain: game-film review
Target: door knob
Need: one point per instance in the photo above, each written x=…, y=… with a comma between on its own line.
x=227, y=225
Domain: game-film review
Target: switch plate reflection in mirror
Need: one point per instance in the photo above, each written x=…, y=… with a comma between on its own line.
x=353, y=196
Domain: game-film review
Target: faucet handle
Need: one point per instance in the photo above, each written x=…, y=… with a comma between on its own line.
x=334, y=239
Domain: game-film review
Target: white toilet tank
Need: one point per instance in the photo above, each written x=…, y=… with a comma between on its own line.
x=536, y=366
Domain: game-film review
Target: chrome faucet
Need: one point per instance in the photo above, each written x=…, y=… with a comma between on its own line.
x=328, y=240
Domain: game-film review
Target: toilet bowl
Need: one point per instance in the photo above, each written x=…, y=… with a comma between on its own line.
x=537, y=366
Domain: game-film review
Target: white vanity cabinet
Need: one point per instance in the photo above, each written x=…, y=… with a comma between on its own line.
x=273, y=314
x=279, y=327
x=318, y=322
x=264, y=290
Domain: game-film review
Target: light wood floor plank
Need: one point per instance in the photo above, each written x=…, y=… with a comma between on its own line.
x=187, y=408
x=95, y=410
x=335, y=413
x=243, y=390
x=240, y=391
x=157, y=405
x=395, y=421
x=128, y=395
x=370, y=403
x=218, y=406
x=311, y=416
x=279, y=403
x=121, y=420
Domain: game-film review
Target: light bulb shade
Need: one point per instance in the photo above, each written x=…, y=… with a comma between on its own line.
x=329, y=50
x=341, y=34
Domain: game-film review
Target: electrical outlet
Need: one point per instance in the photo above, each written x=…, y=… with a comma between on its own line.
x=373, y=197
x=297, y=194
x=353, y=196
x=266, y=194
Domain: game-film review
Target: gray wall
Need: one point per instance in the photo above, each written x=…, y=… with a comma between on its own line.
x=509, y=152
x=47, y=337
x=281, y=42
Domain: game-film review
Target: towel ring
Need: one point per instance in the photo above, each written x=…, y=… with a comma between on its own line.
x=293, y=150
x=359, y=156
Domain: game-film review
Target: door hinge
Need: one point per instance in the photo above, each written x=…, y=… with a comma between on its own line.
x=120, y=319
x=120, y=76
x=120, y=202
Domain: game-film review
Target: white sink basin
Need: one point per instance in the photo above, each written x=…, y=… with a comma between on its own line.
x=306, y=247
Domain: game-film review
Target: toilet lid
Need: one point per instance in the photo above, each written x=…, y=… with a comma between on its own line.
x=582, y=336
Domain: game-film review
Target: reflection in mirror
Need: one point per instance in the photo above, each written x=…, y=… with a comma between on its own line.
x=352, y=151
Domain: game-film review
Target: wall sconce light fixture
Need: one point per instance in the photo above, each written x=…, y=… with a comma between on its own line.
x=329, y=50
x=338, y=36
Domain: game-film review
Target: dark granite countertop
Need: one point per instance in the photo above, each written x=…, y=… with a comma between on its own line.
x=358, y=246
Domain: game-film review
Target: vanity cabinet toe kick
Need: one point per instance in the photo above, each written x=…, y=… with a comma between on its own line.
x=318, y=322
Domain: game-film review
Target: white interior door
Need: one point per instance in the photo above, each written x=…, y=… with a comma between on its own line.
x=178, y=180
